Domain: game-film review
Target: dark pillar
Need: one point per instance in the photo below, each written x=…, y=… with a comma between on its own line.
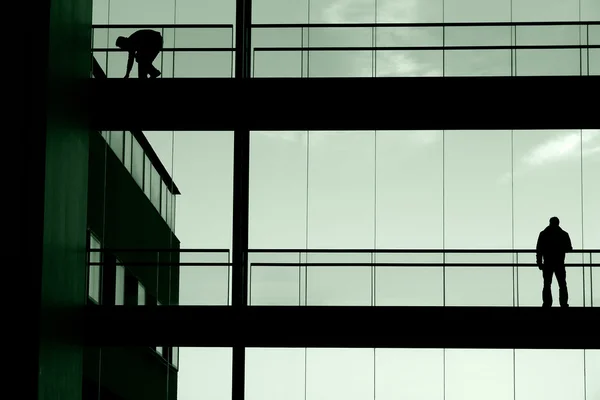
x=241, y=165
x=57, y=134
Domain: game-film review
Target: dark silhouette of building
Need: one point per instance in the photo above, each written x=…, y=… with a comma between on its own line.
x=79, y=181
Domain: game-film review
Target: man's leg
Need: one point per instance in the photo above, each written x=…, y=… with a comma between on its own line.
x=561, y=278
x=142, y=68
x=152, y=70
x=547, y=273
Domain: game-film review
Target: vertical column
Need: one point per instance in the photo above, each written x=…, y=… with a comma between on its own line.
x=241, y=165
x=57, y=131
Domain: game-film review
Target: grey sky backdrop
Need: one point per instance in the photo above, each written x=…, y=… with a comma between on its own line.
x=385, y=190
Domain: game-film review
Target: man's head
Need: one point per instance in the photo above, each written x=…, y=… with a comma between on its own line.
x=122, y=42
x=554, y=221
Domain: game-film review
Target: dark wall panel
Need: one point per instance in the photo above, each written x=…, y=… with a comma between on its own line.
x=65, y=194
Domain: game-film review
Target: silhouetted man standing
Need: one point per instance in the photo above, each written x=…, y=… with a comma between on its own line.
x=552, y=245
x=143, y=46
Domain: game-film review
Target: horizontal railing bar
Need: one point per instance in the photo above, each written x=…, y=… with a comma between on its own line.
x=438, y=265
x=172, y=49
x=351, y=25
x=425, y=24
x=430, y=48
x=169, y=264
x=157, y=250
x=347, y=251
x=165, y=26
x=441, y=251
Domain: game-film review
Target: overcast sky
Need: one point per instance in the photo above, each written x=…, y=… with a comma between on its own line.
x=385, y=190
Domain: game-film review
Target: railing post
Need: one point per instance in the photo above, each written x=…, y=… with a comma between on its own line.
x=241, y=164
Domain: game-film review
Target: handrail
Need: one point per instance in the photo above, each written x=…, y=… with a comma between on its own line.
x=167, y=26
x=347, y=251
x=424, y=24
x=430, y=48
x=447, y=251
x=173, y=49
x=413, y=264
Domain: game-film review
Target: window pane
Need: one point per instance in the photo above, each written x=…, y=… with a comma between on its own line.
x=169, y=214
x=120, y=285
x=155, y=188
x=203, y=168
x=275, y=374
x=280, y=11
x=117, y=142
x=591, y=188
x=94, y=277
x=479, y=286
x=395, y=11
x=340, y=63
x=137, y=163
x=477, y=174
x=341, y=189
x=478, y=63
x=277, y=285
x=330, y=11
x=278, y=191
x=409, y=190
x=592, y=368
x=545, y=10
x=127, y=151
x=339, y=285
x=407, y=63
x=203, y=64
x=409, y=374
x=147, y=174
x=479, y=374
x=175, y=357
x=543, y=62
x=163, y=200
x=339, y=374
x=477, y=10
x=141, y=295
x=409, y=285
x=204, y=373
x=549, y=374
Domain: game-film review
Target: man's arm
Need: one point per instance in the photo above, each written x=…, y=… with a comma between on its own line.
x=539, y=248
x=130, y=63
x=568, y=244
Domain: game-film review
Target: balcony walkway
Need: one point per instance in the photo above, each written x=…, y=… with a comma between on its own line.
x=390, y=327
x=345, y=103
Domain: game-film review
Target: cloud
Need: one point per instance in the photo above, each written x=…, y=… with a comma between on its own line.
x=388, y=63
x=559, y=147
x=556, y=149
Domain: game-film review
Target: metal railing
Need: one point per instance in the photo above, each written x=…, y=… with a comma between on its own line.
x=368, y=277
x=189, y=51
x=369, y=50
x=429, y=49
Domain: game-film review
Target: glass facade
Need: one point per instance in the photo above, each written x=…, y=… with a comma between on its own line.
x=131, y=154
x=365, y=218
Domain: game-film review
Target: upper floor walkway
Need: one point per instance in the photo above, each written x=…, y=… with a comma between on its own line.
x=537, y=75
x=368, y=277
x=367, y=50
x=356, y=298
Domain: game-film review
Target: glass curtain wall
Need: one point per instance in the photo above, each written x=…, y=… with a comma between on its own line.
x=418, y=190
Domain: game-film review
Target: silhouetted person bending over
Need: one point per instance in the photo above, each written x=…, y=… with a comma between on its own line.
x=552, y=245
x=143, y=46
